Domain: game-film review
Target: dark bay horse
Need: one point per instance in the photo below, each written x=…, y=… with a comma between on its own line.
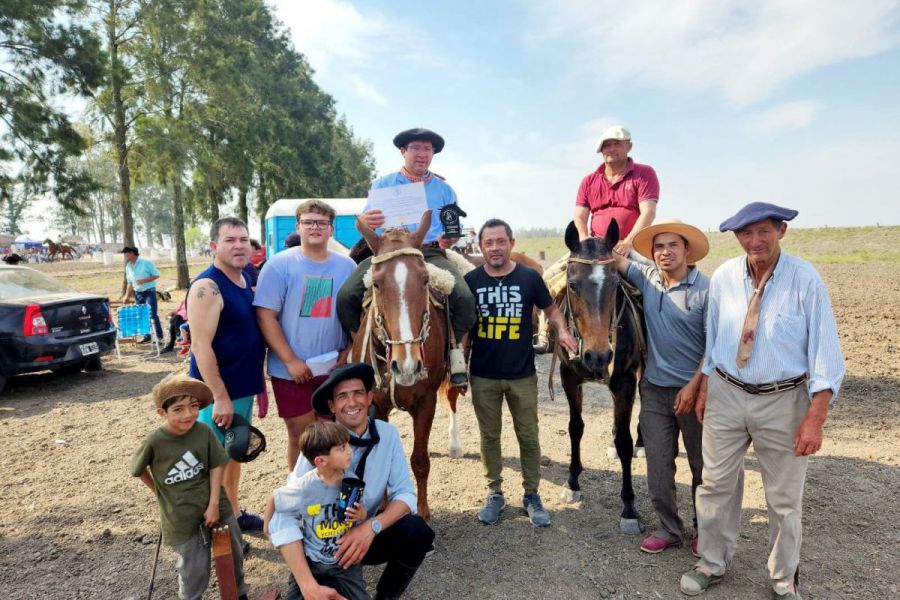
x=606, y=328
x=403, y=335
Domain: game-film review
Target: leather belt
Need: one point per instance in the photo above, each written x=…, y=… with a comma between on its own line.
x=763, y=388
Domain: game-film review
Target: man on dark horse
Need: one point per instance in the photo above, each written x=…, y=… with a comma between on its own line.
x=417, y=147
x=619, y=189
x=675, y=300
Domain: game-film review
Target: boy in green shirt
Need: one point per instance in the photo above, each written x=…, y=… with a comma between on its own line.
x=182, y=462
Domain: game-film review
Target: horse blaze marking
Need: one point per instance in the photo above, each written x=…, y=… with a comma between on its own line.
x=400, y=273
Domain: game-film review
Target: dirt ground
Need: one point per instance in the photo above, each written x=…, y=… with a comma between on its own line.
x=74, y=524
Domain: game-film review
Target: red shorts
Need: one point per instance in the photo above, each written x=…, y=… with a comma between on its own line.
x=294, y=399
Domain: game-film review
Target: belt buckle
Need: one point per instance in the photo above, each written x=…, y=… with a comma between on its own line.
x=751, y=389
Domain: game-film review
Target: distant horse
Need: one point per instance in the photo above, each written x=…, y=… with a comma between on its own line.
x=607, y=330
x=64, y=250
x=403, y=334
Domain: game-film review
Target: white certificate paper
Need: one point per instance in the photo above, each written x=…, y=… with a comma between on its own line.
x=402, y=205
x=322, y=364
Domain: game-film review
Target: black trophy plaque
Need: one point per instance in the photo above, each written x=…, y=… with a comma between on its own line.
x=449, y=216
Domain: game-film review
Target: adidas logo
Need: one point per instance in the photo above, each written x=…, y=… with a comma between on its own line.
x=185, y=469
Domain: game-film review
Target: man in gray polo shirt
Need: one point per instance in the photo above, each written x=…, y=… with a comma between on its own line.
x=675, y=293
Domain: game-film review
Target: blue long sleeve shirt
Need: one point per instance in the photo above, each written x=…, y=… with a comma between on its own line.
x=438, y=193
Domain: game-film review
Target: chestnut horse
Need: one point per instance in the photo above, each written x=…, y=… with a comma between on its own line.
x=403, y=335
x=608, y=332
x=64, y=250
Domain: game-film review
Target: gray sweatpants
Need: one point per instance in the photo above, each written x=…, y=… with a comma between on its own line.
x=192, y=564
x=732, y=420
x=659, y=429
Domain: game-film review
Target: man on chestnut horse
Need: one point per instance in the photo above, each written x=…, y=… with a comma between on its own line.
x=418, y=147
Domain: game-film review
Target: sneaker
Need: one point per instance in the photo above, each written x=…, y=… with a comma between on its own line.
x=493, y=506
x=795, y=595
x=695, y=582
x=144, y=339
x=536, y=511
x=249, y=521
x=695, y=545
x=653, y=544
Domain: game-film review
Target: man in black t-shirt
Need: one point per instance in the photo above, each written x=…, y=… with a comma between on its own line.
x=502, y=364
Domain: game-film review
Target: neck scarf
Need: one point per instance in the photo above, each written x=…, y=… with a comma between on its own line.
x=368, y=444
x=751, y=321
x=415, y=178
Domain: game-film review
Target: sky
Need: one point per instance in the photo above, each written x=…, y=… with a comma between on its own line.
x=794, y=102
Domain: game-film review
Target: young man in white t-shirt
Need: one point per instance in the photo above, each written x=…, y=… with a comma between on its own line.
x=295, y=306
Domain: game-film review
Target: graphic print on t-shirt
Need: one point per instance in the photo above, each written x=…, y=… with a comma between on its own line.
x=328, y=526
x=185, y=469
x=317, y=292
x=499, y=312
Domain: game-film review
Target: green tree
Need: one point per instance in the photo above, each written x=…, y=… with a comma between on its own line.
x=45, y=54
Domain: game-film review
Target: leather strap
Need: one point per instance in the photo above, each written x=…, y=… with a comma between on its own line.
x=763, y=388
x=221, y=542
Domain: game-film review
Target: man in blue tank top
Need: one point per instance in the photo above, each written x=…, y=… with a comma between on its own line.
x=227, y=349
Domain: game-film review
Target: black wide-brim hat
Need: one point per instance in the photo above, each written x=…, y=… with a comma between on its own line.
x=323, y=393
x=243, y=442
x=402, y=139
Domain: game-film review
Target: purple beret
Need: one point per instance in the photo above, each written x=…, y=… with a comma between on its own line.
x=756, y=212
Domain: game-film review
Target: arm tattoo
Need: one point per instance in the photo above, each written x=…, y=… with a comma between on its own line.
x=214, y=288
x=201, y=291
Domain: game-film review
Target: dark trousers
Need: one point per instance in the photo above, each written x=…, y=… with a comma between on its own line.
x=148, y=297
x=175, y=322
x=660, y=427
x=462, y=304
x=402, y=546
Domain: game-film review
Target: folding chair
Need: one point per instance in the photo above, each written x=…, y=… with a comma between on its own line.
x=134, y=320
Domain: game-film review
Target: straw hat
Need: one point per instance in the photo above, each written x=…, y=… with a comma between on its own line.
x=181, y=385
x=698, y=244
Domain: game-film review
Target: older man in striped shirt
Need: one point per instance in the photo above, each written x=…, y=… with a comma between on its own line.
x=773, y=367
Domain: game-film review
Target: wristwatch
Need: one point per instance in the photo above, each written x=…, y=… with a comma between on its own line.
x=376, y=525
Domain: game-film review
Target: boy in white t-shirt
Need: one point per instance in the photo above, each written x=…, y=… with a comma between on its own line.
x=313, y=500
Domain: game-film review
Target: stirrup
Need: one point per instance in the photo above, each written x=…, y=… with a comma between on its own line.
x=458, y=375
x=542, y=346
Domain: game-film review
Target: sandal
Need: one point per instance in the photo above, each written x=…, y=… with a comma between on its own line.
x=695, y=582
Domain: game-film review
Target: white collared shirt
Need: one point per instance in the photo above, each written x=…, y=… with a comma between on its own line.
x=796, y=334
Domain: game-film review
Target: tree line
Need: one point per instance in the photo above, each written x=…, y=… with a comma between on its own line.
x=189, y=105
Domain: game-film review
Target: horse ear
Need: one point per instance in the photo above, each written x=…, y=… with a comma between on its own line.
x=422, y=230
x=372, y=238
x=612, y=234
x=573, y=241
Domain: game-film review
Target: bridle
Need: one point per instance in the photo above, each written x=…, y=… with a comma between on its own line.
x=380, y=332
x=615, y=318
x=375, y=324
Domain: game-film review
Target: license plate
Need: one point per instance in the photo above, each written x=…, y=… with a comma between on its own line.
x=91, y=348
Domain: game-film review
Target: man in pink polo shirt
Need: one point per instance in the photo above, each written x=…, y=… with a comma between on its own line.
x=619, y=189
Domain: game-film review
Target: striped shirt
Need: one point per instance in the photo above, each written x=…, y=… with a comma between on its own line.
x=797, y=332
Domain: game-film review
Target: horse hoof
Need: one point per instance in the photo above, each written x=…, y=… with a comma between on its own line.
x=631, y=526
x=455, y=452
x=640, y=452
x=571, y=496
x=611, y=453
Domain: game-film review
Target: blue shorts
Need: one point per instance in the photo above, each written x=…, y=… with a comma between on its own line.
x=242, y=406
